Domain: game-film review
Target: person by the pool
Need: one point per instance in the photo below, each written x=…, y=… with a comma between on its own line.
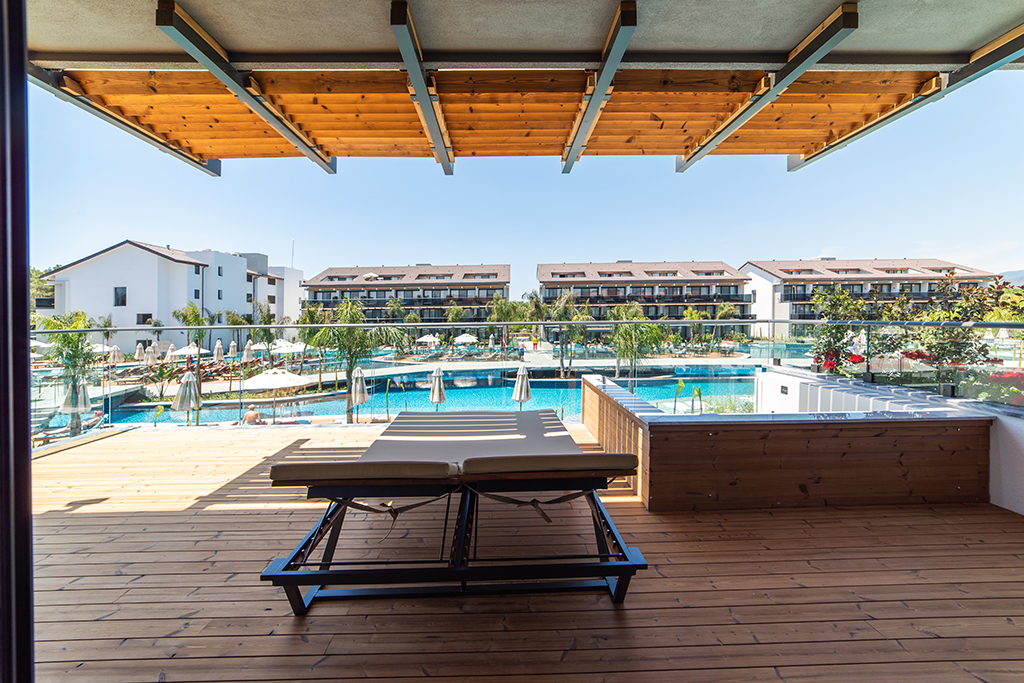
x=252, y=417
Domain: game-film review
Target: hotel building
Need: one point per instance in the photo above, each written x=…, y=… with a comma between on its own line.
x=784, y=289
x=424, y=289
x=135, y=282
x=663, y=289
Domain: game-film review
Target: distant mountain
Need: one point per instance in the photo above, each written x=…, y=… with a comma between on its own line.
x=1014, y=277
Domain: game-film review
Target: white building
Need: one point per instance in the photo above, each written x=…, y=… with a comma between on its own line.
x=134, y=282
x=784, y=289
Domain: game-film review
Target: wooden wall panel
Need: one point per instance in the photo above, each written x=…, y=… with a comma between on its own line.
x=727, y=465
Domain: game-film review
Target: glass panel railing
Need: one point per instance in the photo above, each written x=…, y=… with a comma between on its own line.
x=681, y=366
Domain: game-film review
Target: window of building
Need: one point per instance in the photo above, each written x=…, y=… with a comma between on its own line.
x=248, y=277
x=488, y=293
x=197, y=270
x=728, y=289
x=406, y=293
x=797, y=271
x=846, y=271
x=910, y=287
x=482, y=276
x=391, y=277
x=220, y=271
x=698, y=290
x=143, y=318
x=709, y=273
x=120, y=296
x=643, y=291
x=882, y=288
x=446, y=276
x=220, y=293
x=853, y=289
x=195, y=293
x=434, y=293
x=564, y=275
x=662, y=273
x=942, y=271
x=248, y=298
x=615, y=274
x=377, y=294
x=462, y=293
x=271, y=282
x=895, y=271
x=338, y=278
x=271, y=299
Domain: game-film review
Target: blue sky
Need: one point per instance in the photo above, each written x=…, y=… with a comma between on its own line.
x=944, y=182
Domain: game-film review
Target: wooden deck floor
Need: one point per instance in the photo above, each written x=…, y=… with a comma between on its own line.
x=149, y=547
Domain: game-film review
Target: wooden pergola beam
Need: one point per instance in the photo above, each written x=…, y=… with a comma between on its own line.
x=1007, y=48
x=422, y=89
x=822, y=40
x=188, y=34
x=599, y=91
x=67, y=89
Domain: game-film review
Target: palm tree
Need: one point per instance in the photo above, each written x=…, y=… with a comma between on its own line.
x=106, y=322
x=313, y=314
x=156, y=325
x=726, y=311
x=564, y=309
x=353, y=344
x=412, y=319
x=454, y=315
x=74, y=352
x=503, y=311
x=261, y=315
x=395, y=308
x=633, y=341
x=536, y=311
x=232, y=318
x=197, y=319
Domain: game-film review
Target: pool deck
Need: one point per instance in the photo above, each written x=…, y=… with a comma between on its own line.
x=149, y=547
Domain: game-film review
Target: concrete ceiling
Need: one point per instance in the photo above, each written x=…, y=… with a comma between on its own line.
x=700, y=34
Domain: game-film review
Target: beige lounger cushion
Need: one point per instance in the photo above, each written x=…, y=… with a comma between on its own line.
x=382, y=469
x=500, y=464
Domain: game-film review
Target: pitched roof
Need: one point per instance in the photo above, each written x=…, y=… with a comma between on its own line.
x=682, y=271
x=355, y=277
x=175, y=255
x=817, y=270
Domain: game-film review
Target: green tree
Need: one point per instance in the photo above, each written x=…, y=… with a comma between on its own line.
x=261, y=315
x=633, y=341
x=412, y=319
x=197, y=320
x=156, y=325
x=38, y=287
x=536, y=311
x=831, y=341
x=234, y=319
x=313, y=314
x=503, y=311
x=395, y=308
x=563, y=309
x=354, y=344
x=726, y=311
x=74, y=353
x=453, y=315
x=106, y=322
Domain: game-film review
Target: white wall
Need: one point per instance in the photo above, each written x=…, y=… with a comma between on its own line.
x=1006, y=463
x=763, y=308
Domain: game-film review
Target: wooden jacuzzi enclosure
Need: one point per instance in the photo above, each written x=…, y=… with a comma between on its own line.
x=714, y=462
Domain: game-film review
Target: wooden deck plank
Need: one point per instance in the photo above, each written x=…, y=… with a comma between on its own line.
x=149, y=545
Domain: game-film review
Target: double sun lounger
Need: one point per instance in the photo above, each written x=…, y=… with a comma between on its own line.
x=430, y=456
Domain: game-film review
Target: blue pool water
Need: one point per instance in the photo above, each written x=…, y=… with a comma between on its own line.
x=470, y=391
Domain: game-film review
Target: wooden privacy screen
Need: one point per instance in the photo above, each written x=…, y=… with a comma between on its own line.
x=729, y=465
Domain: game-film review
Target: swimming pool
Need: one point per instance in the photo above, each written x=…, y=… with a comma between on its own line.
x=474, y=390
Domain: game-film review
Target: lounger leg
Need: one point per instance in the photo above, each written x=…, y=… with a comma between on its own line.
x=332, y=540
x=620, y=588
x=295, y=600
x=463, y=530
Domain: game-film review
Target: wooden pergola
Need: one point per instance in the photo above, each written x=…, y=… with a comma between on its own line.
x=808, y=99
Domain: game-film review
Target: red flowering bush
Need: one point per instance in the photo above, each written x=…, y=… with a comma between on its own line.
x=856, y=358
x=917, y=354
x=829, y=365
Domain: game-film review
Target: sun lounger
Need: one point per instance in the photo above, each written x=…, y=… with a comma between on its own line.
x=492, y=455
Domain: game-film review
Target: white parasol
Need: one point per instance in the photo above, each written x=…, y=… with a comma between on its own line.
x=115, y=356
x=140, y=352
x=437, y=388
x=232, y=348
x=275, y=380
x=36, y=344
x=247, y=352
x=428, y=339
x=490, y=342
x=190, y=350
x=521, y=393
x=149, y=356
x=170, y=352
x=358, y=390
x=77, y=398
x=101, y=348
x=218, y=352
x=188, y=397
x=466, y=339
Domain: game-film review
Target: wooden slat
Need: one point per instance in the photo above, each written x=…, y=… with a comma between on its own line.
x=149, y=545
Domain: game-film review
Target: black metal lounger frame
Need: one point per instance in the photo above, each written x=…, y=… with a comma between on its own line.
x=461, y=572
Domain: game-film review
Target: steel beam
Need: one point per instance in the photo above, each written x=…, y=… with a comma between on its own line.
x=423, y=95
x=834, y=30
x=183, y=30
x=594, y=101
x=1000, y=52
x=55, y=83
